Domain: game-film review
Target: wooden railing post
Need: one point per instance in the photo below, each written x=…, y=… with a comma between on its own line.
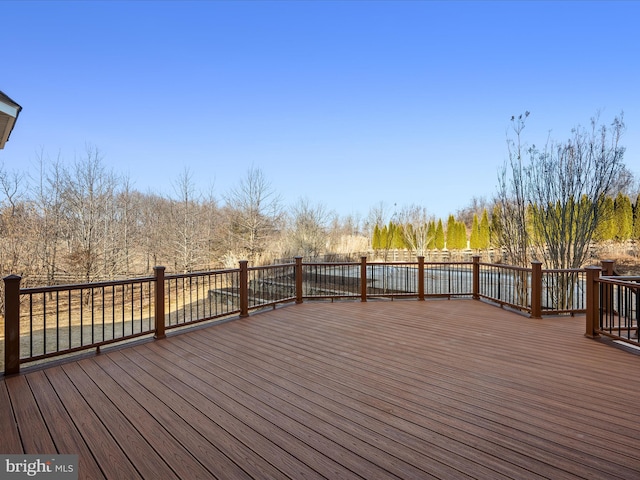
x=159, y=303
x=421, y=278
x=476, y=277
x=12, y=324
x=363, y=279
x=298, y=279
x=244, y=288
x=606, y=300
x=607, y=267
x=536, y=289
x=593, y=302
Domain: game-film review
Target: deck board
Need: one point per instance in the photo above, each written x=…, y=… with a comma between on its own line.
x=403, y=389
x=305, y=424
x=181, y=427
x=129, y=402
x=59, y=423
x=145, y=459
x=267, y=421
x=10, y=442
x=31, y=427
x=244, y=443
x=299, y=387
x=106, y=451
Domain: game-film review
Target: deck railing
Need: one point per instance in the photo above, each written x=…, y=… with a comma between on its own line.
x=506, y=285
x=194, y=297
x=49, y=321
x=45, y=322
x=613, y=306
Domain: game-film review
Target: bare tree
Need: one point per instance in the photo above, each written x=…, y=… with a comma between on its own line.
x=511, y=198
x=16, y=224
x=211, y=228
x=48, y=200
x=475, y=207
x=12, y=189
x=155, y=219
x=551, y=205
x=308, y=229
x=186, y=215
x=378, y=215
x=88, y=196
x=415, y=220
x=253, y=214
x=126, y=227
x=567, y=184
x=346, y=235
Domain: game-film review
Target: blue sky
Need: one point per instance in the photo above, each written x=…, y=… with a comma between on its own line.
x=348, y=104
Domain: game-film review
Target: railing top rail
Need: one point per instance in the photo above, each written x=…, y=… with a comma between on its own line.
x=562, y=270
x=392, y=263
x=268, y=267
x=626, y=281
x=331, y=264
x=78, y=286
x=448, y=263
x=632, y=278
x=200, y=274
x=508, y=267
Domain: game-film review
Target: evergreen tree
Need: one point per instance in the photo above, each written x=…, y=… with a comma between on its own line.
x=431, y=234
x=384, y=238
x=461, y=235
x=439, y=238
x=535, y=217
x=391, y=236
x=623, y=217
x=636, y=219
x=606, y=228
x=376, y=241
x=451, y=233
x=398, y=237
x=474, y=240
x=456, y=234
x=484, y=237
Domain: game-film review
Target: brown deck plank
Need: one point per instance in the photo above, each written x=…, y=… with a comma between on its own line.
x=259, y=416
x=145, y=459
x=463, y=450
x=484, y=385
x=363, y=362
x=239, y=441
x=184, y=424
x=113, y=462
x=63, y=431
x=33, y=431
x=340, y=412
x=385, y=421
x=374, y=462
x=403, y=389
x=10, y=439
x=579, y=455
x=183, y=464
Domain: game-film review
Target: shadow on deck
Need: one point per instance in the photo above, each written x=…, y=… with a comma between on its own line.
x=402, y=389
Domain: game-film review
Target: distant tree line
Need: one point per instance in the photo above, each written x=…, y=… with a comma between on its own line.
x=619, y=222
x=81, y=222
x=456, y=236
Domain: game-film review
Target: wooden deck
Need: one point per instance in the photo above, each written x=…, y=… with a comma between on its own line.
x=403, y=389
